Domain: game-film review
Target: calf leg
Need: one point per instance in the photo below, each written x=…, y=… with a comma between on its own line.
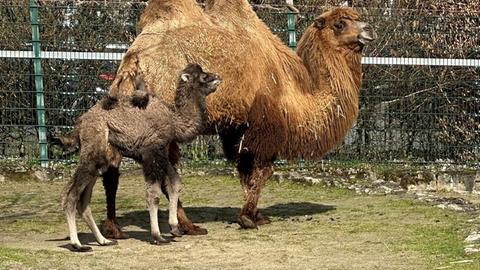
x=84, y=175
x=152, y=162
x=86, y=213
x=185, y=224
x=153, y=193
x=173, y=189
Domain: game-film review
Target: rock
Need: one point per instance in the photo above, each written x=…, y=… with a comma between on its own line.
x=386, y=189
x=41, y=175
x=372, y=176
x=473, y=237
x=2, y=178
x=471, y=250
x=378, y=182
x=455, y=207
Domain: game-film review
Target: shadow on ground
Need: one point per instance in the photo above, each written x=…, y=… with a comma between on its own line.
x=206, y=214
x=202, y=214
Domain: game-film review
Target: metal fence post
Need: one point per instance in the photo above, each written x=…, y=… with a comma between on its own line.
x=39, y=91
x=292, y=35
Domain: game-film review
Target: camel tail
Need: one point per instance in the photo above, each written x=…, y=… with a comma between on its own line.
x=69, y=140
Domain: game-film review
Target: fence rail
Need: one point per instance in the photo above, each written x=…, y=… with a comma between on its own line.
x=420, y=98
x=109, y=56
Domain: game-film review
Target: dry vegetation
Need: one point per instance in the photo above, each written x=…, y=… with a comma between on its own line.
x=314, y=228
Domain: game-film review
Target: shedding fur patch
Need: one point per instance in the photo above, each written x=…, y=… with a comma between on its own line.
x=109, y=102
x=140, y=99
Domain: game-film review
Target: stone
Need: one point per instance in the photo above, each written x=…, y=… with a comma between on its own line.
x=471, y=250
x=41, y=175
x=2, y=178
x=455, y=207
x=386, y=189
x=473, y=237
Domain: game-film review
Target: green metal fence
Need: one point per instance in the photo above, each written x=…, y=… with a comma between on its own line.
x=420, y=99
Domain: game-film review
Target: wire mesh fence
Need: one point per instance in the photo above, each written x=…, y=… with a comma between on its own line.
x=413, y=106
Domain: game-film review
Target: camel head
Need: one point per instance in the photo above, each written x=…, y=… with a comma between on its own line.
x=203, y=82
x=340, y=28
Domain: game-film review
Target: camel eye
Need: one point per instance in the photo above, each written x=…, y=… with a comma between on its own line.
x=203, y=77
x=339, y=25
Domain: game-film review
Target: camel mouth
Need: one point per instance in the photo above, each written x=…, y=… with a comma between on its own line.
x=216, y=82
x=366, y=36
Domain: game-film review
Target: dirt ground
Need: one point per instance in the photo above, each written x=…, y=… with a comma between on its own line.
x=313, y=227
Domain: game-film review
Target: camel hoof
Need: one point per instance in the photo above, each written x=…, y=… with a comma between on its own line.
x=246, y=223
x=176, y=232
x=112, y=242
x=81, y=248
x=160, y=242
x=193, y=230
x=110, y=229
x=262, y=220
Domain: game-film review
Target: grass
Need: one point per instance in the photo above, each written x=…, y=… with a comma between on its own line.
x=313, y=228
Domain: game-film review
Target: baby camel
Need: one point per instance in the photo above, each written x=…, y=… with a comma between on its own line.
x=142, y=133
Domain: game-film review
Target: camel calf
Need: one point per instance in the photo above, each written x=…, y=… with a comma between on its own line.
x=142, y=133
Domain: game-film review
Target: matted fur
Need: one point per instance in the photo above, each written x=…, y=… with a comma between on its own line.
x=273, y=102
x=309, y=99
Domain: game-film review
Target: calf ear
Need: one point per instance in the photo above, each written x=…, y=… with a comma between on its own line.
x=186, y=77
x=320, y=22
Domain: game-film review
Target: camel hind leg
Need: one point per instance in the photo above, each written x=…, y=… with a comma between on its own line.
x=83, y=176
x=84, y=209
x=110, y=227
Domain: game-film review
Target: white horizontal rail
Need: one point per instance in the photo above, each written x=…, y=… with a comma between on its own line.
x=113, y=56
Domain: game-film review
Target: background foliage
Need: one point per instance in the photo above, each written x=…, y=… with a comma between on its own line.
x=408, y=113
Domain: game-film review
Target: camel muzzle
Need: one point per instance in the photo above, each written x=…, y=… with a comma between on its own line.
x=367, y=35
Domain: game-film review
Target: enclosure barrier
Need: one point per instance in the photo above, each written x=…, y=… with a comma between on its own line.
x=420, y=98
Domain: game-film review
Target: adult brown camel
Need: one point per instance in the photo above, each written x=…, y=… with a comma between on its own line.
x=273, y=102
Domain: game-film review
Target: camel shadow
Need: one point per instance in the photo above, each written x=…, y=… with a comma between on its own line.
x=228, y=215
x=201, y=214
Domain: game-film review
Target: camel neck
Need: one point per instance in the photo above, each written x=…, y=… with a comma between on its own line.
x=190, y=114
x=320, y=117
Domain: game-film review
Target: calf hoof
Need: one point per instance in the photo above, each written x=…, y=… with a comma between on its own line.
x=81, y=248
x=176, y=232
x=246, y=222
x=159, y=240
x=109, y=243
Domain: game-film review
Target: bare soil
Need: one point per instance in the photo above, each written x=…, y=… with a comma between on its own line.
x=313, y=227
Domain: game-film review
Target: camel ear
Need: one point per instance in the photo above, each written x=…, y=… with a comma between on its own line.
x=185, y=77
x=320, y=22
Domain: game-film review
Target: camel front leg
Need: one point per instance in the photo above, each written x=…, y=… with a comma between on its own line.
x=153, y=162
x=173, y=189
x=153, y=193
x=253, y=179
x=186, y=226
